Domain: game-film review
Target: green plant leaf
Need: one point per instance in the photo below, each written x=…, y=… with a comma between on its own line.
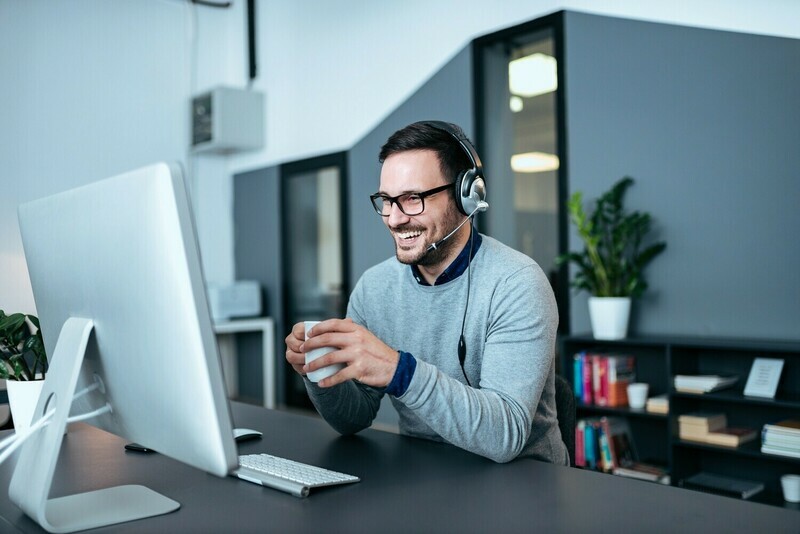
x=649, y=253
x=19, y=372
x=11, y=323
x=611, y=263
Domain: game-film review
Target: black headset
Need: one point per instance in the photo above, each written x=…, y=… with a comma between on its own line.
x=470, y=187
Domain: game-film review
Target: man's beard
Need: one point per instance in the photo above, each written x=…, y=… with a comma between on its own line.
x=427, y=258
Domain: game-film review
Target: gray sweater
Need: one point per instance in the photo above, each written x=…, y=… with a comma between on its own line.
x=510, y=335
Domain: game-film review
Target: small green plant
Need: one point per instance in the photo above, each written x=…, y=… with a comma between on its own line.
x=22, y=354
x=614, y=256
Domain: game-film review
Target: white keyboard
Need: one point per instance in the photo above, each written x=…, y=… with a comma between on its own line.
x=287, y=475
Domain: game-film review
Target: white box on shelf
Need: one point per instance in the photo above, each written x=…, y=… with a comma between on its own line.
x=240, y=299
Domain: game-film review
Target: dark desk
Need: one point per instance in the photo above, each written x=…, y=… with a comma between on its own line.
x=408, y=485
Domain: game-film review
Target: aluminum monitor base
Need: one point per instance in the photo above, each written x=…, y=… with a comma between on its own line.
x=33, y=474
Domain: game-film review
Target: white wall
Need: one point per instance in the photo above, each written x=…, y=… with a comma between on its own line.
x=92, y=88
x=89, y=88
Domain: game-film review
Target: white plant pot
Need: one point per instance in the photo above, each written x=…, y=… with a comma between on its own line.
x=22, y=399
x=609, y=316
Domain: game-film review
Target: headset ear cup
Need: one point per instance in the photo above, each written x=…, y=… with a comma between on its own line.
x=457, y=193
x=471, y=192
x=477, y=190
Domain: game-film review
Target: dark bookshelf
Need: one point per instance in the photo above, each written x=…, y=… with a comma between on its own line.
x=658, y=360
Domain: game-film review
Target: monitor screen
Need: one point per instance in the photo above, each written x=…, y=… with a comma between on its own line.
x=122, y=256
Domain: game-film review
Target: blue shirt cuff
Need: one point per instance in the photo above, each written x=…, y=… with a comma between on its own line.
x=402, y=375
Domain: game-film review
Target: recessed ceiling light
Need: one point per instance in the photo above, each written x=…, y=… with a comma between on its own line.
x=534, y=162
x=515, y=103
x=533, y=75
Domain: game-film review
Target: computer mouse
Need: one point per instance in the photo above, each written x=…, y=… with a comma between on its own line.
x=244, y=434
x=137, y=448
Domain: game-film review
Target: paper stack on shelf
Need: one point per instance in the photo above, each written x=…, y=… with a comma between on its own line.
x=703, y=383
x=782, y=438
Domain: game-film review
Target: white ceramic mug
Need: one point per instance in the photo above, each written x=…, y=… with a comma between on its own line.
x=791, y=487
x=325, y=372
x=637, y=394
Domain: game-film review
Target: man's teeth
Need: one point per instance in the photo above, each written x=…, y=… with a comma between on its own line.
x=409, y=235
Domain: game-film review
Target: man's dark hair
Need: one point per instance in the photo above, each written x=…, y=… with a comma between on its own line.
x=421, y=136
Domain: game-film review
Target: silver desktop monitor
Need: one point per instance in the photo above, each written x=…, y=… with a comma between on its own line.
x=117, y=280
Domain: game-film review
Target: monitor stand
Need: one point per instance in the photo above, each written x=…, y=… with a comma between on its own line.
x=33, y=474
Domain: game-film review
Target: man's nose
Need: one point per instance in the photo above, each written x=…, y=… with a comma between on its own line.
x=396, y=215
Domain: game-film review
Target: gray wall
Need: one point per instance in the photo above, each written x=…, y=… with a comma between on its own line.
x=708, y=124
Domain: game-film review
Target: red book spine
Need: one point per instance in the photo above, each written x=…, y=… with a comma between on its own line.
x=580, y=447
x=602, y=367
x=587, y=379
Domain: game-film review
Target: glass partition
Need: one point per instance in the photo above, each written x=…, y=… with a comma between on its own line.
x=518, y=138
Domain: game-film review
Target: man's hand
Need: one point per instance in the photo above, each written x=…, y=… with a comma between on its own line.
x=294, y=355
x=367, y=359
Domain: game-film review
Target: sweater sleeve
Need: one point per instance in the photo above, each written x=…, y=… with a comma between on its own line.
x=351, y=406
x=495, y=420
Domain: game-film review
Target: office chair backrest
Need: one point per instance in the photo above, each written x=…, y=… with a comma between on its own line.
x=565, y=408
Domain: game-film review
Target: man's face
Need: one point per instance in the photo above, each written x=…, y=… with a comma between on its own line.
x=415, y=171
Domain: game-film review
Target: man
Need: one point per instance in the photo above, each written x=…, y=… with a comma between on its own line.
x=449, y=290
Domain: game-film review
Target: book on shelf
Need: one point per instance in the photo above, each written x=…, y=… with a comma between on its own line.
x=599, y=380
x=658, y=404
x=577, y=376
x=731, y=436
x=791, y=452
x=590, y=444
x=643, y=471
x=703, y=383
x=780, y=441
x=621, y=372
x=722, y=485
x=787, y=427
x=692, y=433
x=781, y=438
x=620, y=442
x=695, y=426
x=580, y=449
x=607, y=443
x=586, y=377
x=602, y=379
x=704, y=419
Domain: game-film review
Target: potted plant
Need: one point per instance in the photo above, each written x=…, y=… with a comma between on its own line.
x=611, y=265
x=23, y=364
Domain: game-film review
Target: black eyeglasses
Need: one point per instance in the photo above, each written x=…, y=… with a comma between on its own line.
x=409, y=203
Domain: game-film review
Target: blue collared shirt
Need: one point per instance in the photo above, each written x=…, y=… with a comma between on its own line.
x=455, y=269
